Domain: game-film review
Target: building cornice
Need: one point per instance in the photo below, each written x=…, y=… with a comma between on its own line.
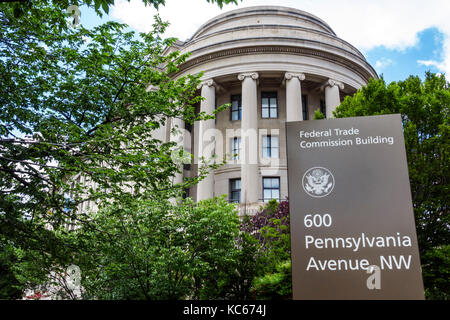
x=265, y=27
x=302, y=51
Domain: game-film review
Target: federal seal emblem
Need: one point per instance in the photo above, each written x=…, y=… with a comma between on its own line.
x=318, y=182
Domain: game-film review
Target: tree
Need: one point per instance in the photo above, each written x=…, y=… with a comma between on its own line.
x=100, y=6
x=270, y=227
x=318, y=115
x=424, y=107
x=73, y=98
x=8, y=282
x=275, y=285
x=76, y=103
x=157, y=250
x=72, y=108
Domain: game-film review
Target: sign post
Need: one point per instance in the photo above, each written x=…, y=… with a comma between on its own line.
x=353, y=234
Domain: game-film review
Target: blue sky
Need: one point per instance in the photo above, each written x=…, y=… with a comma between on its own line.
x=397, y=65
x=398, y=37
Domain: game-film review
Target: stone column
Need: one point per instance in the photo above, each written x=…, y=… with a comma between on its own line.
x=332, y=99
x=205, y=188
x=294, y=108
x=178, y=137
x=249, y=138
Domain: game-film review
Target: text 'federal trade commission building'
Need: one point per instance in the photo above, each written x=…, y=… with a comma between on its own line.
x=273, y=65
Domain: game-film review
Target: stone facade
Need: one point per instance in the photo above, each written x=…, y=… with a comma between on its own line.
x=278, y=64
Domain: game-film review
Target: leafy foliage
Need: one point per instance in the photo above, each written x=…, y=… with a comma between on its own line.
x=157, y=250
x=437, y=272
x=273, y=216
x=248, y=262
x=270, y=227
x=78, y=109
x=424, y=107
x=9, y=285
x=318, y=115
x=100, y=6
x=277, y=284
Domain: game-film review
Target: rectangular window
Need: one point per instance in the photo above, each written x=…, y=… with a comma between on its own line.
x=323, y=108
x=235, y=148
x=188, y=126
x=186, y=193
x=236, y=108
x=269, y=107
x=271, y=189
x=270, y=147
x=235, y=190
x=305, y=107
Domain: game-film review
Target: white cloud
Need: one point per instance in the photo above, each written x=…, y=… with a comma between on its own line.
x=383, y=63
x=366, y=24
x=185, y=16
x=431, y=63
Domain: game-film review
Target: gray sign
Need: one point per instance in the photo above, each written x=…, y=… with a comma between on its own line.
x=352, y=223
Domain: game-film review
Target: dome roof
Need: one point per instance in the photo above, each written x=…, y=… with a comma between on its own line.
x=263, y=15
x=272, y=38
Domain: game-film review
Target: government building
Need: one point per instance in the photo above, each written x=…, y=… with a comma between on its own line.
x=272, y=65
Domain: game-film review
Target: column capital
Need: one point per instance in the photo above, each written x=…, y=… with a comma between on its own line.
x=332, y=83
x=290, y=75
x=253, y=75
x=209, y=83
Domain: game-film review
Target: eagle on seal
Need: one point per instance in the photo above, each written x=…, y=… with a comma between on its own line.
x=318, y=182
